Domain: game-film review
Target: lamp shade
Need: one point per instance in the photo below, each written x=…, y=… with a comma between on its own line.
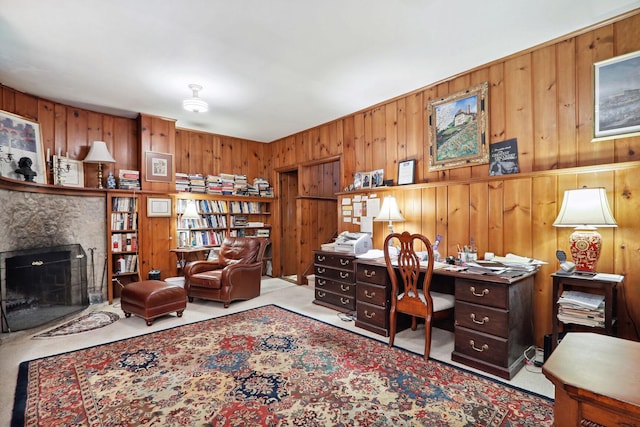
x=585, y=207
x=389, y=211
x=98, y=153
x=190, y=211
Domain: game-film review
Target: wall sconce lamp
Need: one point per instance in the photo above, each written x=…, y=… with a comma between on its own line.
x=585, y=209
x=390, y=212
x=98, y=153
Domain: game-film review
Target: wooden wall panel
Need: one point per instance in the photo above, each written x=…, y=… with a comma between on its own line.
x=545, y=101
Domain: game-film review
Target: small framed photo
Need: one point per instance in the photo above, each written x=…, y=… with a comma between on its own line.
x=377, y=177
x=357, y=180
x=159, y=167
x=406, y=172
x=71, y=172
x=158, y=207
x=616, y=107
x=366, y=179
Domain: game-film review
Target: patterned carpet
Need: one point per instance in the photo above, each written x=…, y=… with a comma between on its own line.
x=262, y=367
x=87, y=322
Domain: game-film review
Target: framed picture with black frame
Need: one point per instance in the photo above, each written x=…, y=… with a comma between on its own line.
x=406, y=172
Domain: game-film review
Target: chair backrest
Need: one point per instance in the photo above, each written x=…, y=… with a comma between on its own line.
x=245, y=250
x=405, y=274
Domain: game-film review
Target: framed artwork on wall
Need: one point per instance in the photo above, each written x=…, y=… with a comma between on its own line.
x=159, y=167
x=158, y=207
x=21, y=151
x=457, y=129
x=69, y=176
x=616, y=86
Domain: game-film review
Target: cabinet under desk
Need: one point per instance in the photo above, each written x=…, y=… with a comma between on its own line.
x=493, y=314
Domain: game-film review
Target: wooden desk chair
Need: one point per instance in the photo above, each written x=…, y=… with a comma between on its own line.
x=407, y=296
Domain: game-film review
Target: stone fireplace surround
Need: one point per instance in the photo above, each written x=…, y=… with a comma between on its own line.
x=39, y=220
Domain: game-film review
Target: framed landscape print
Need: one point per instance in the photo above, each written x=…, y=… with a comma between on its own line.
x=457, y=129
x=617, y=97
x=21, y=142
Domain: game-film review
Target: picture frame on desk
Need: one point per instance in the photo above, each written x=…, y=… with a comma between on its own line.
x=22, y=139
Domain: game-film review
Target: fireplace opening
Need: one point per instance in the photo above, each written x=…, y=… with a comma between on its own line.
x=42, y=285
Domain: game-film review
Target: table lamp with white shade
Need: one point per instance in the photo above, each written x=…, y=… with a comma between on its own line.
x=99, y=153
x=390, y=212
x=585, y=209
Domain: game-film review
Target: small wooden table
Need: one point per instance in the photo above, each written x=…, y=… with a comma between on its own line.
x=189, y=254
x=596, y=379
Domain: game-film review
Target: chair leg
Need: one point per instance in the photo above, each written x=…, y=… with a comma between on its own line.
x=414, y=323
x=392, y=327
x=427, y=337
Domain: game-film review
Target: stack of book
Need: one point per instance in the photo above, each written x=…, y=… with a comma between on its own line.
x=240, y=185
x=182, y=182
x=581, y=308
x=129, y=179
x=263, y=187
x=213, y=185
x=228, y=183
x=197, y=183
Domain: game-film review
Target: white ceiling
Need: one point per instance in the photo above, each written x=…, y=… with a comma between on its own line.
x=270, y=68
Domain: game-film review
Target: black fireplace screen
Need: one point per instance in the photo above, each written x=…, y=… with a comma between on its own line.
x=41, y=285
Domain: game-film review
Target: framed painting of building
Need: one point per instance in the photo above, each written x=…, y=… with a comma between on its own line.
x=616, y=84
x=458, y=127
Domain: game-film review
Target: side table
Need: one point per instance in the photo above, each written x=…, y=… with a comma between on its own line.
x=602, y=284
x=185, y=255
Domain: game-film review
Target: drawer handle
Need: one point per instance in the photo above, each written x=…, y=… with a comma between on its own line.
x=345, y=301
x=321, y=258
x=369, y=295
x=369, y=315
x=473, y=346
x=484, y=292
x=484, y=320
x=322, y=294
x=344, y=262
x=372, y=274
x=321, y=270
x=345, y=288
x=344, y=275
x=322, y=282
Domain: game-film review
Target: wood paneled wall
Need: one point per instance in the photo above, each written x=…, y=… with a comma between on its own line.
x=544, y=98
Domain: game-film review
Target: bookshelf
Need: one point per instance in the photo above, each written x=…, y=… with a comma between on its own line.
x=123, y=241
x=221, y=216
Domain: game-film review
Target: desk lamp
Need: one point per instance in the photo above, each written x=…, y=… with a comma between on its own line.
x=390, y=212
x=98, y=153
x=585, y=209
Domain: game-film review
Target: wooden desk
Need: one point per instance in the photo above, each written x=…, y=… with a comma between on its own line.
x=590, y=284
x=185, y=255
x=596, y=379
x=493, y=314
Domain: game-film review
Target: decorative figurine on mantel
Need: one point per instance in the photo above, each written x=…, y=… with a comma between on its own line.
x=24, y=168
x=111, y=181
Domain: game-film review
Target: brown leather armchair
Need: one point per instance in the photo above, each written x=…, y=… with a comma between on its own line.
x=235, y=276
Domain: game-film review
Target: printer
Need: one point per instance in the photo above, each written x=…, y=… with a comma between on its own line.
x=353, y=242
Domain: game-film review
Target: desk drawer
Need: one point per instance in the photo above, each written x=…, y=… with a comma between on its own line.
x=335, y=260
x=487, y=348
x=372, y=294
x=372, y=314
x=328, y=285
x=484, y=319
x=484, y=293
x=342, y=301
x=333, y=273
x=376, y=274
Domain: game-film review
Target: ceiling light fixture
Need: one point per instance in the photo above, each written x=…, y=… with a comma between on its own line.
x=195, y=104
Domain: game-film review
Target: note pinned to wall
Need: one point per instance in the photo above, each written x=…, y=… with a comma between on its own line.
x=373, y=207
x=366, y=225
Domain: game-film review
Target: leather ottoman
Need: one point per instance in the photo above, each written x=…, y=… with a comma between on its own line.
x=152, y=298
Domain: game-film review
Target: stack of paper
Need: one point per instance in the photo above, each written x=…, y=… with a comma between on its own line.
x=581, y=308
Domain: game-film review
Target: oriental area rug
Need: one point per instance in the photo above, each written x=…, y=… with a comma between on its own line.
x=84, y=323
x=262, y=367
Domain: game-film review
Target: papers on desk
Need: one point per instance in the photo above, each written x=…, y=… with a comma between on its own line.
x=581, y=308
